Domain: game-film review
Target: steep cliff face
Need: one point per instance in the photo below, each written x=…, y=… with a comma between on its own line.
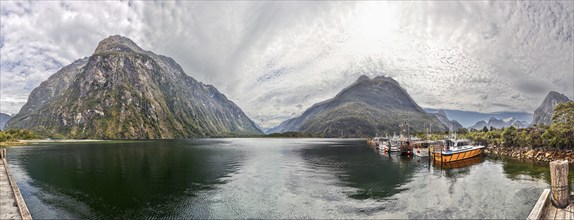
x=3, y=120
x=365, y=108
x=543, y=114
x=452, y=125
x=124, y=92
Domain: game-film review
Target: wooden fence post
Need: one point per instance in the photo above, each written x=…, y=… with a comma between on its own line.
x=559, y=183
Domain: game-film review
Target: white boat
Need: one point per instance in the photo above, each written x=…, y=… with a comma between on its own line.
x=374, y=141
x=391, y=145
x=423, y=148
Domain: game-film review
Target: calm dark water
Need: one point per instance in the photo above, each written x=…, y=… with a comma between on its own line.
x=264, y=178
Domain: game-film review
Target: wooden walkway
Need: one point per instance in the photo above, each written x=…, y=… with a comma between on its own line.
x=552, y=212
x=12, y=205
x=545, y=210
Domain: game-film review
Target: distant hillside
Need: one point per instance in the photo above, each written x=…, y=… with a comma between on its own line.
x=452, y=125
x=543, y=114
x=365, y=108
x=124, y=92
x=499, y=123
x=3, y=120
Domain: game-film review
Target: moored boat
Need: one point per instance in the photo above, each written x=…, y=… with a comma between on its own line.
x=423, y=148
x=455, y=150
x=373, y=141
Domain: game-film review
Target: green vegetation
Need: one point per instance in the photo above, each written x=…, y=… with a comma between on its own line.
x=16, y=134
x=560, y=134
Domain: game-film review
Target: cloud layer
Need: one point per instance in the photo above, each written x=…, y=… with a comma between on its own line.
x=275, y=59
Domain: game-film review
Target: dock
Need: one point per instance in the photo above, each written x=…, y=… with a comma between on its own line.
x=12, y=205
x=556, y=202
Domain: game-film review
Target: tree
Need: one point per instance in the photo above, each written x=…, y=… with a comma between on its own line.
x=561, y=131
x=462, y=131
x=484, y=129
x=509, y=136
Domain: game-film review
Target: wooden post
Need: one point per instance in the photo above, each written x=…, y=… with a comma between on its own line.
x=559, y=183
x=2, y=153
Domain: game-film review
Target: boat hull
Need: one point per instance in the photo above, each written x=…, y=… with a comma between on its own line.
x=392, y=149
x=446, y=157
x=421, y=152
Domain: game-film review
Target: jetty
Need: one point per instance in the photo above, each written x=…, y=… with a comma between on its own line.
x=12, y=205
x=555, y=203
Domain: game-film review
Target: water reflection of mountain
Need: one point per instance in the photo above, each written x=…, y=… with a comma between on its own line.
x=115, y=178
x=374, y=176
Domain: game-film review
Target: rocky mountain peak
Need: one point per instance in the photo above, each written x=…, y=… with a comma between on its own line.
x=363, y=78
x=441, y=112
x=555, y=96
x=509, y=119
x=124, y=92
x=363, y=109
x=117, y=43
x=450, y=124
x=543, y=113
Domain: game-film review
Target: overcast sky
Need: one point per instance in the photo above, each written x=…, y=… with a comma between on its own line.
x=275, y=59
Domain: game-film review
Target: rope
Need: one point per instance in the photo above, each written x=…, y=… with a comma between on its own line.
x=559, y=188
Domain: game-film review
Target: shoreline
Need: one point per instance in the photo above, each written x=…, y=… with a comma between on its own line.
x=529, y=154
x=17, y=143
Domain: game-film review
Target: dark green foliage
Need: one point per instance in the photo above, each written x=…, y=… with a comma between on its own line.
x=561, y=131
x=16, y=134
x=484, y=129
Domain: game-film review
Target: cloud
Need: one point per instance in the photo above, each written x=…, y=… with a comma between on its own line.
x=275, y=59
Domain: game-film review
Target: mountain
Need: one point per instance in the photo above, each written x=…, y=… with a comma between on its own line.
x=469, y=118
x=450, y=124
x=365, y=108
x=124, y=92
x=515, y=122
x=543, y=114
x=3, y=119
x=499, y=123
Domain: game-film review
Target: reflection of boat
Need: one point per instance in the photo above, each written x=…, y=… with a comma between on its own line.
x=460, y=163
x=455, y=150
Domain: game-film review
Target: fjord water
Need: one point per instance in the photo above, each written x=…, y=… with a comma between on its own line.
x=264, y=178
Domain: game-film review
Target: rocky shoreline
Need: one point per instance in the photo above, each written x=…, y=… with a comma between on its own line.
x=527, y=153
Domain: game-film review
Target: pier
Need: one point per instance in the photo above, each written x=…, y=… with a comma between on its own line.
x=12, y=205
x=555, y=203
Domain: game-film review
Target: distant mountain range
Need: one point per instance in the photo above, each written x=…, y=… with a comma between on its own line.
x=124, y=92
x=543, y=114
x=365, y=108
x=3, y=120
x=499, y=123
x=469, y=118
